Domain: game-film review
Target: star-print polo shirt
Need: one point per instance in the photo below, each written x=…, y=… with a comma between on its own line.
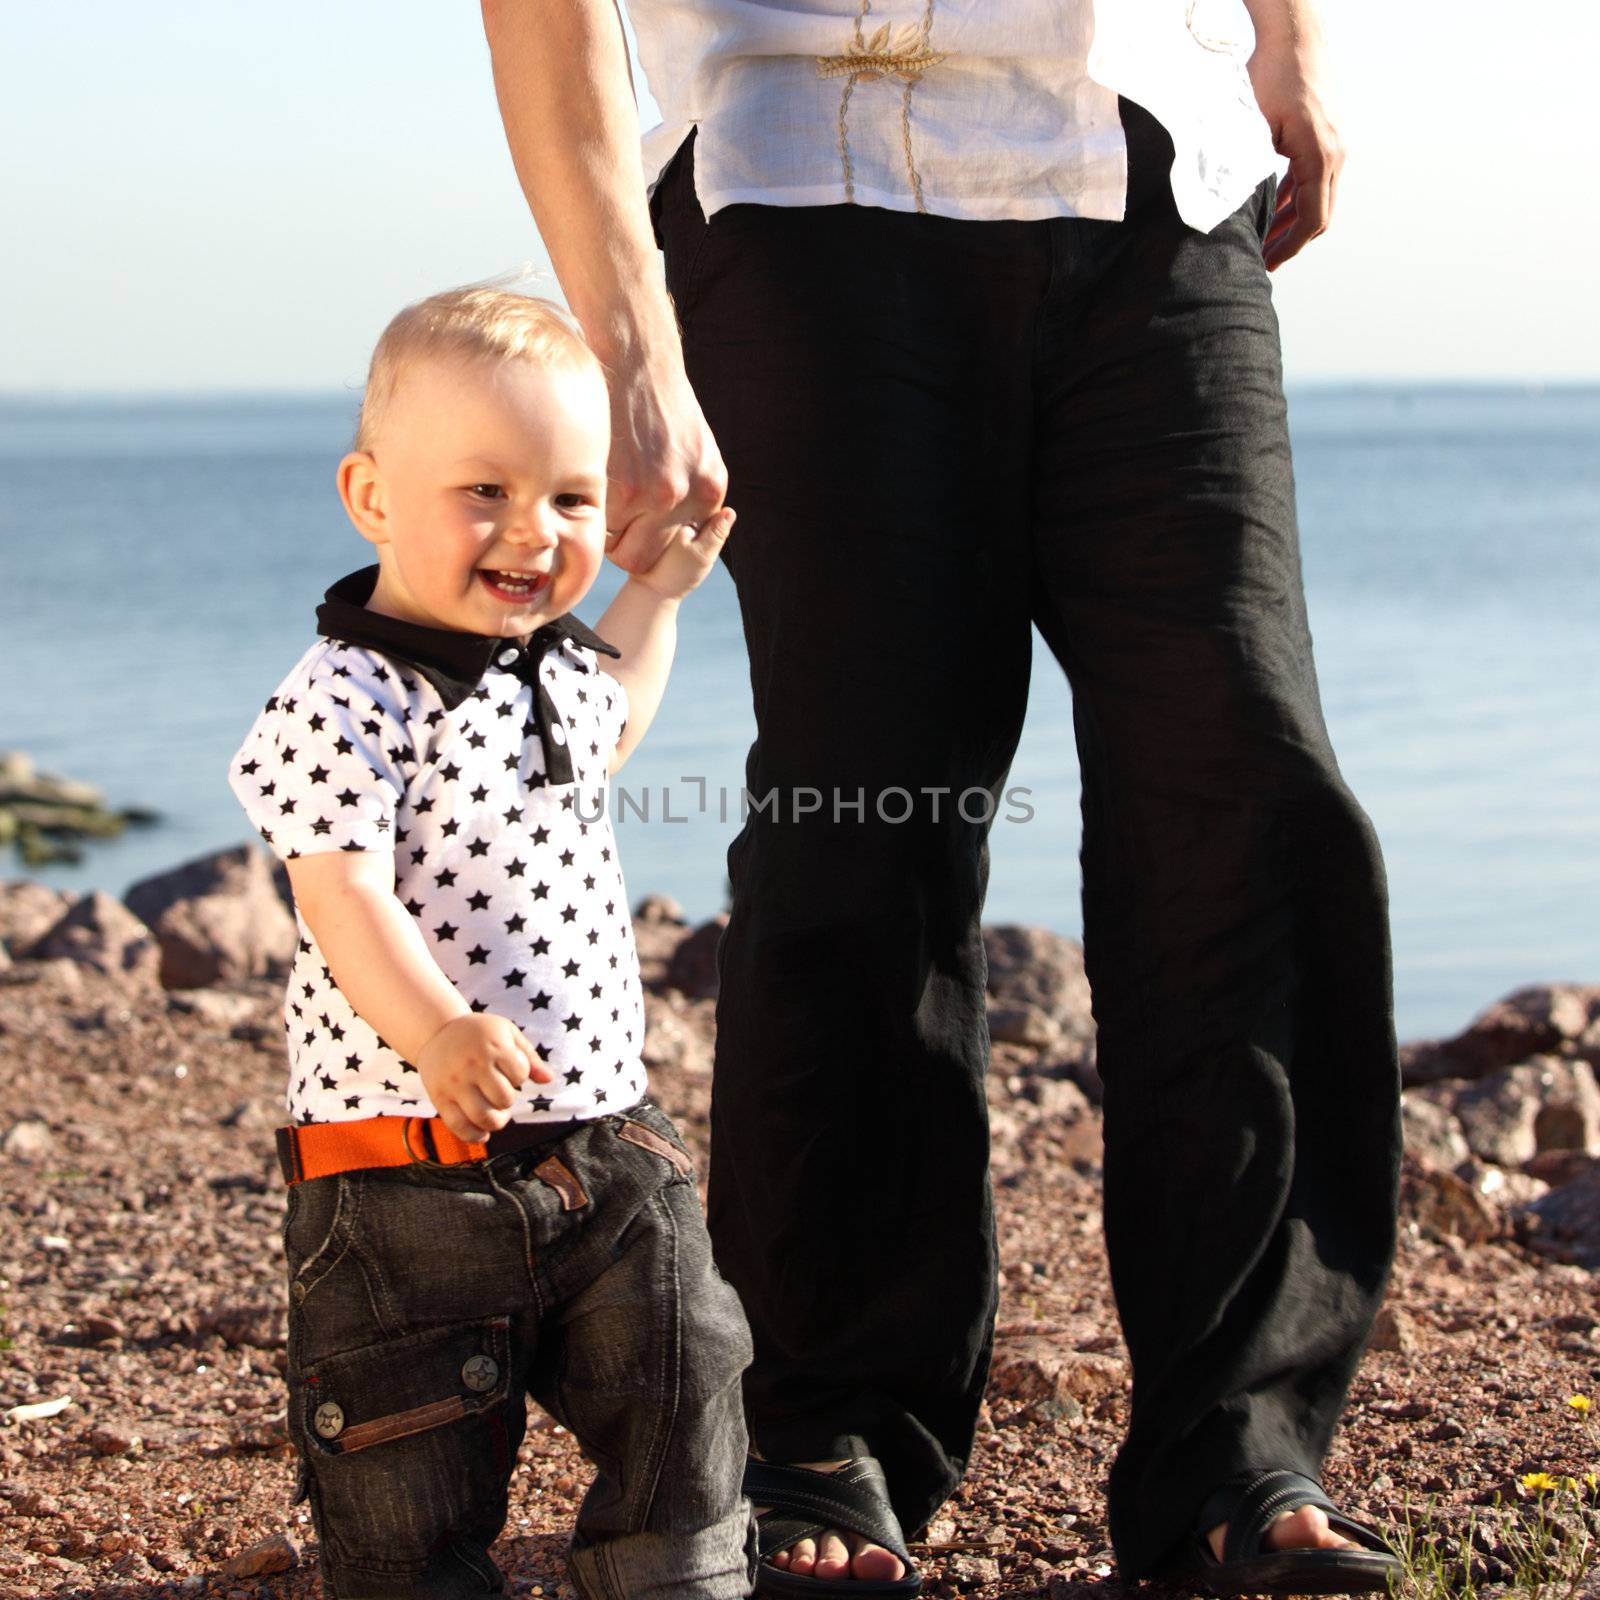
x=481, y=763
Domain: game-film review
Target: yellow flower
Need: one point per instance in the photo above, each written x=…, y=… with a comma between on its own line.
x=1580, y=1403
x=1592, y=1482
x=1538, y=1480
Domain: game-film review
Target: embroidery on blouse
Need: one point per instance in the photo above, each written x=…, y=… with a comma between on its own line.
x=907, y=56
x=1221, y=43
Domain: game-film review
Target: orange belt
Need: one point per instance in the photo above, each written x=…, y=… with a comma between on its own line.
x=318, y=1149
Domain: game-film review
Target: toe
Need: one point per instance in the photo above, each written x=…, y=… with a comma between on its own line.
x=833, y=1559
x=873, y=1564
x=803, y=1556
x=1306, y=1528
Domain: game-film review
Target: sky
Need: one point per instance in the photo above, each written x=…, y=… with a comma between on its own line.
x=227, y=196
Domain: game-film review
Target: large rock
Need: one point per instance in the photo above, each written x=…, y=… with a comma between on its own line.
x=1032, y=1368
x=219, y=919
x=1027, y=1026
x=1543, y=1019
x=693, y=968
x=1443, y=1205
x=660, y=908
x=1549, y=1103
x=21, y=780
x=102, y=934
x=1032, y=969
x=657, y=933
x=1432, y=1133
x=672, y=1040
x=28, y=910
x=1566, y=1222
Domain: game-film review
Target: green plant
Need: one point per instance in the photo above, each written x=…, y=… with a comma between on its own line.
x=1544, y=1545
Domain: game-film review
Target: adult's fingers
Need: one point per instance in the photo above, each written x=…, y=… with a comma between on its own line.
x=640, y=544
x=1312, y=177
x=665, y=468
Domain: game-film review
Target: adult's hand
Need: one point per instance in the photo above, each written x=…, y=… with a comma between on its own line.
x=665, y=468
x=1286, y=72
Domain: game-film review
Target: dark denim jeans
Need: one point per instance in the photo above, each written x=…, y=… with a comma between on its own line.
x=939, y=433
x=425, y=1303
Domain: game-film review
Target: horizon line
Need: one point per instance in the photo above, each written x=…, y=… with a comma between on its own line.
x=228, y=392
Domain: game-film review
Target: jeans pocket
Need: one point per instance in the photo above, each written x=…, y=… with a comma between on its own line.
x=315, y=1229
x=408, y=1446
x=405, y=1386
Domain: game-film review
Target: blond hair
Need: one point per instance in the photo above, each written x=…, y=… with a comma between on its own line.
x=483, y=324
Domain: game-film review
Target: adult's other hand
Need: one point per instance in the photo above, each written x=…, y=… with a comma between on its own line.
x=1286, y=72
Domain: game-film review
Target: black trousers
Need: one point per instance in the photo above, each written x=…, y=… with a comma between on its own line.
x=937, y=432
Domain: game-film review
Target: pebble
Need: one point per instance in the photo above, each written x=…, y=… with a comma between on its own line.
x=35, y=1503
x=276, y=1553
x=972, y=1572
x=269, y=1433
x=28, y=1140
x=1393, y=1330
x=113, y=1440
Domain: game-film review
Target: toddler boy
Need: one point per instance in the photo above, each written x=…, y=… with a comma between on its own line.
x=482, y=1203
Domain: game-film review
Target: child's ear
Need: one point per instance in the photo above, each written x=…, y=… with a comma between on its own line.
x=361, y=490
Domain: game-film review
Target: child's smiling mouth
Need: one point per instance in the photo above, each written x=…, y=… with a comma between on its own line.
x=514, y=588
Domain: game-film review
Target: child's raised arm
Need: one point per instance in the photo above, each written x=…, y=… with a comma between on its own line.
x=642, y=622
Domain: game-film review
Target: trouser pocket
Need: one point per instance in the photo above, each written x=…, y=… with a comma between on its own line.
x=680, y=226
x=408, y=1446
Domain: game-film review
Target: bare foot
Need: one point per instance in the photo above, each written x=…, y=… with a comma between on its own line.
x=837, y=1554
x=1306, y=1529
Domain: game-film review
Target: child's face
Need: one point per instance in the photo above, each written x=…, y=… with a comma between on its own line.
x=484, y=493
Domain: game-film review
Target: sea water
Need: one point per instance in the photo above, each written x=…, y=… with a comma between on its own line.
x=161, y=561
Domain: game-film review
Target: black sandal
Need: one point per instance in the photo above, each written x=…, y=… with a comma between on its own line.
x=803, y=1503
x=1249, y=1504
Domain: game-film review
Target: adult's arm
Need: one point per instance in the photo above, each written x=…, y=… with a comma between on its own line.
x=566, y=97
x=1286, y=72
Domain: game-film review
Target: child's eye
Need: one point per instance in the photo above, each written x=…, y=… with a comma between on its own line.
x=582, y=499
x=488, y=491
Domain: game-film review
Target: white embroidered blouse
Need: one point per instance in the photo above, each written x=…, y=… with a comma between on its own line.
x=968, y=108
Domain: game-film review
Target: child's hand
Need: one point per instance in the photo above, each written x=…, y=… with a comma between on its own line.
x=688, y=556
x=472, y=1069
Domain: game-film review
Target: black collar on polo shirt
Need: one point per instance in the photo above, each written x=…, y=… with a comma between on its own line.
x=454, y=663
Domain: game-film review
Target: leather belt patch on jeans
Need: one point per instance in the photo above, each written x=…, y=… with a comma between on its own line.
x=566, y=1183
x=649, y=1139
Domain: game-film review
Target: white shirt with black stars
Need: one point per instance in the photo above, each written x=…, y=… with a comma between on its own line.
x=513, y=879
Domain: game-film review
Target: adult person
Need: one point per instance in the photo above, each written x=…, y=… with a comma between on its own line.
x=966, y=308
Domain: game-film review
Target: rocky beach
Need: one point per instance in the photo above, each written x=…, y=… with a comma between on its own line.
x=143, y=1451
